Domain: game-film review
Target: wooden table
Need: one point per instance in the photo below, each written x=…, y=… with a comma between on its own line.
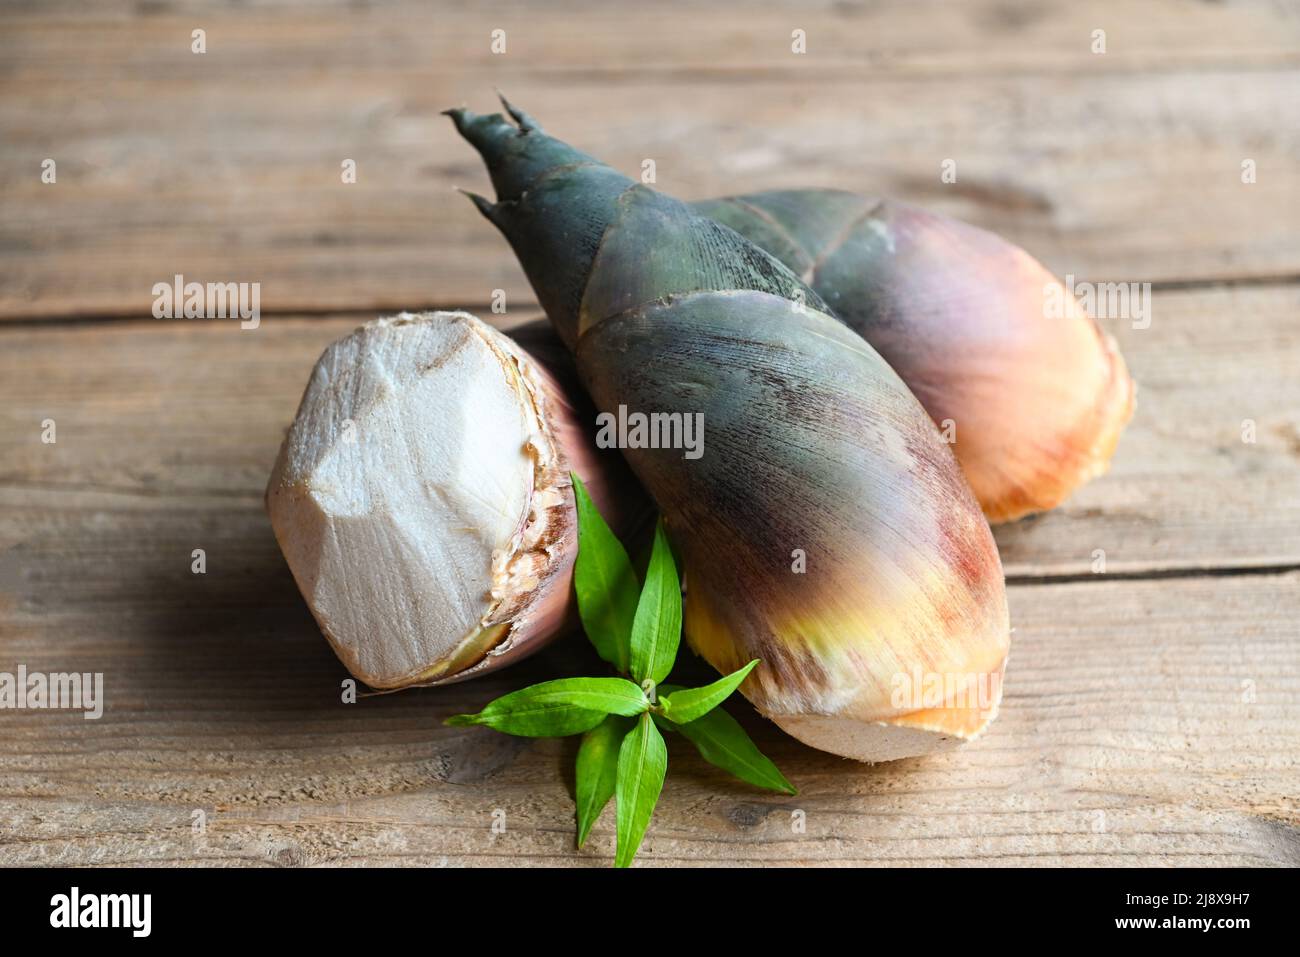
x=1152, y=711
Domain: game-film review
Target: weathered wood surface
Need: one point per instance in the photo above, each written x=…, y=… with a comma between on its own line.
x=1152, y=713
x=1128, y=733
x=225, y=166
x=1144, y=723
x=188, y=414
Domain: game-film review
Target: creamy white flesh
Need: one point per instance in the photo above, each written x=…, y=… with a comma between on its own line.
x=403, y=491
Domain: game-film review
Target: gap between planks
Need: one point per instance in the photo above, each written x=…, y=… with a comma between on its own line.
x=309, y=310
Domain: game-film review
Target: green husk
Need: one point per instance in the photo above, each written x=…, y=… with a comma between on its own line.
x=815, y=448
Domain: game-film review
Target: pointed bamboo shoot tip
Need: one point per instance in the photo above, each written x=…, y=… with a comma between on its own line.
x=461, y=117
x=485, y=205
x=525, y=122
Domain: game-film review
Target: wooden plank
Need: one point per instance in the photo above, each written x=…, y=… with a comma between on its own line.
x=1207, y=475
x=184, y=414
x=1144, y=723
x=577, y=37
x=226, y=166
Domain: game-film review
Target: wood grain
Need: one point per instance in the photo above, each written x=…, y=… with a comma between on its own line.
x=1207, y=475
x=189, y=414
x=576, y=37
x=226, y=166
x=1129, y=735
x=1144, y=723
x=1152, y=712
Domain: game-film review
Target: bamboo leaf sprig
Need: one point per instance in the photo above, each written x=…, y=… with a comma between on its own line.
x=636, y=628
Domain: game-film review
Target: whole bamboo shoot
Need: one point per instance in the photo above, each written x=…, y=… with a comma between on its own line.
x=826, y=529
x=1032, y=394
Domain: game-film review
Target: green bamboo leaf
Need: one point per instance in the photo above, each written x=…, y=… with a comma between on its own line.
x=549, y=721
x=642, y=764
x=558, y=708
x=723, y=742
x=605, y=583
x=597, y=770
x=657, y=628
x=683, y=707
